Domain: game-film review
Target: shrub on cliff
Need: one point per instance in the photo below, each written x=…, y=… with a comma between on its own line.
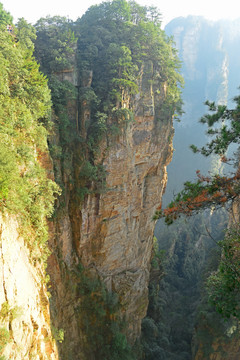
x=115, y=39
x=108, y=47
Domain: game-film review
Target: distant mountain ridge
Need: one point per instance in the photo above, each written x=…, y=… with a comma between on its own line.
x=210, y=55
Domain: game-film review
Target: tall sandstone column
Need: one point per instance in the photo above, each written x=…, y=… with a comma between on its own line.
x=111, y=233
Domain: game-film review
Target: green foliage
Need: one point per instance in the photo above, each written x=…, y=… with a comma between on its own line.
x=97, y=131
x=63, y=93
x=55, y=44
x=210, y=326
x=55, y=50
x=58, y=334
x=158, y=256
x=10, y=313
x=223, y=285
x=216, y=191
x=100, y=320
x=5, y=17
x=88, y=171
x=208, y=191
x=115, y=39
x=151, y=349
x=26, y=34
x=25, y=104
x=225, y=134
x=174, y=292
x=92, y=179
x=112, y=42
x=4, y=339
x=4, y=312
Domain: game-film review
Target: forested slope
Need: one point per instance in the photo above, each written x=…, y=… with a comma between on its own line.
x=27, y=194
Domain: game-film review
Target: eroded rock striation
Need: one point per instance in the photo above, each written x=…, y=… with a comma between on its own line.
x=25, y=316
x=110, y=234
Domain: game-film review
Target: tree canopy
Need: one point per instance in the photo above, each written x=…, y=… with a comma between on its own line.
x=55, y=44
x=25, y=107
x=5, y=17
x=115, y=39
x=108, y=48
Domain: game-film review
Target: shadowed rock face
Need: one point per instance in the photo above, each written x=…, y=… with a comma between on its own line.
x=111, y=233
x=117, y=228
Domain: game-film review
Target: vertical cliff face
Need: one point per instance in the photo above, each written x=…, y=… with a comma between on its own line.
x=116, y=228
x=111, y=233
x=24, y=312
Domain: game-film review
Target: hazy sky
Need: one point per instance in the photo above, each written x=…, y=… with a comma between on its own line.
x=32, y=10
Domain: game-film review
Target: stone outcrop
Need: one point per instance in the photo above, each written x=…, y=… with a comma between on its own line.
x=24, y=305
x=110, y=234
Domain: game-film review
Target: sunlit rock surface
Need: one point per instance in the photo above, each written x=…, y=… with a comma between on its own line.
x=23, y=293
x=111, y=233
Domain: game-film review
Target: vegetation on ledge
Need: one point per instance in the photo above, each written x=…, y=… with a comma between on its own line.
x=108, y=48
x=115, y=40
